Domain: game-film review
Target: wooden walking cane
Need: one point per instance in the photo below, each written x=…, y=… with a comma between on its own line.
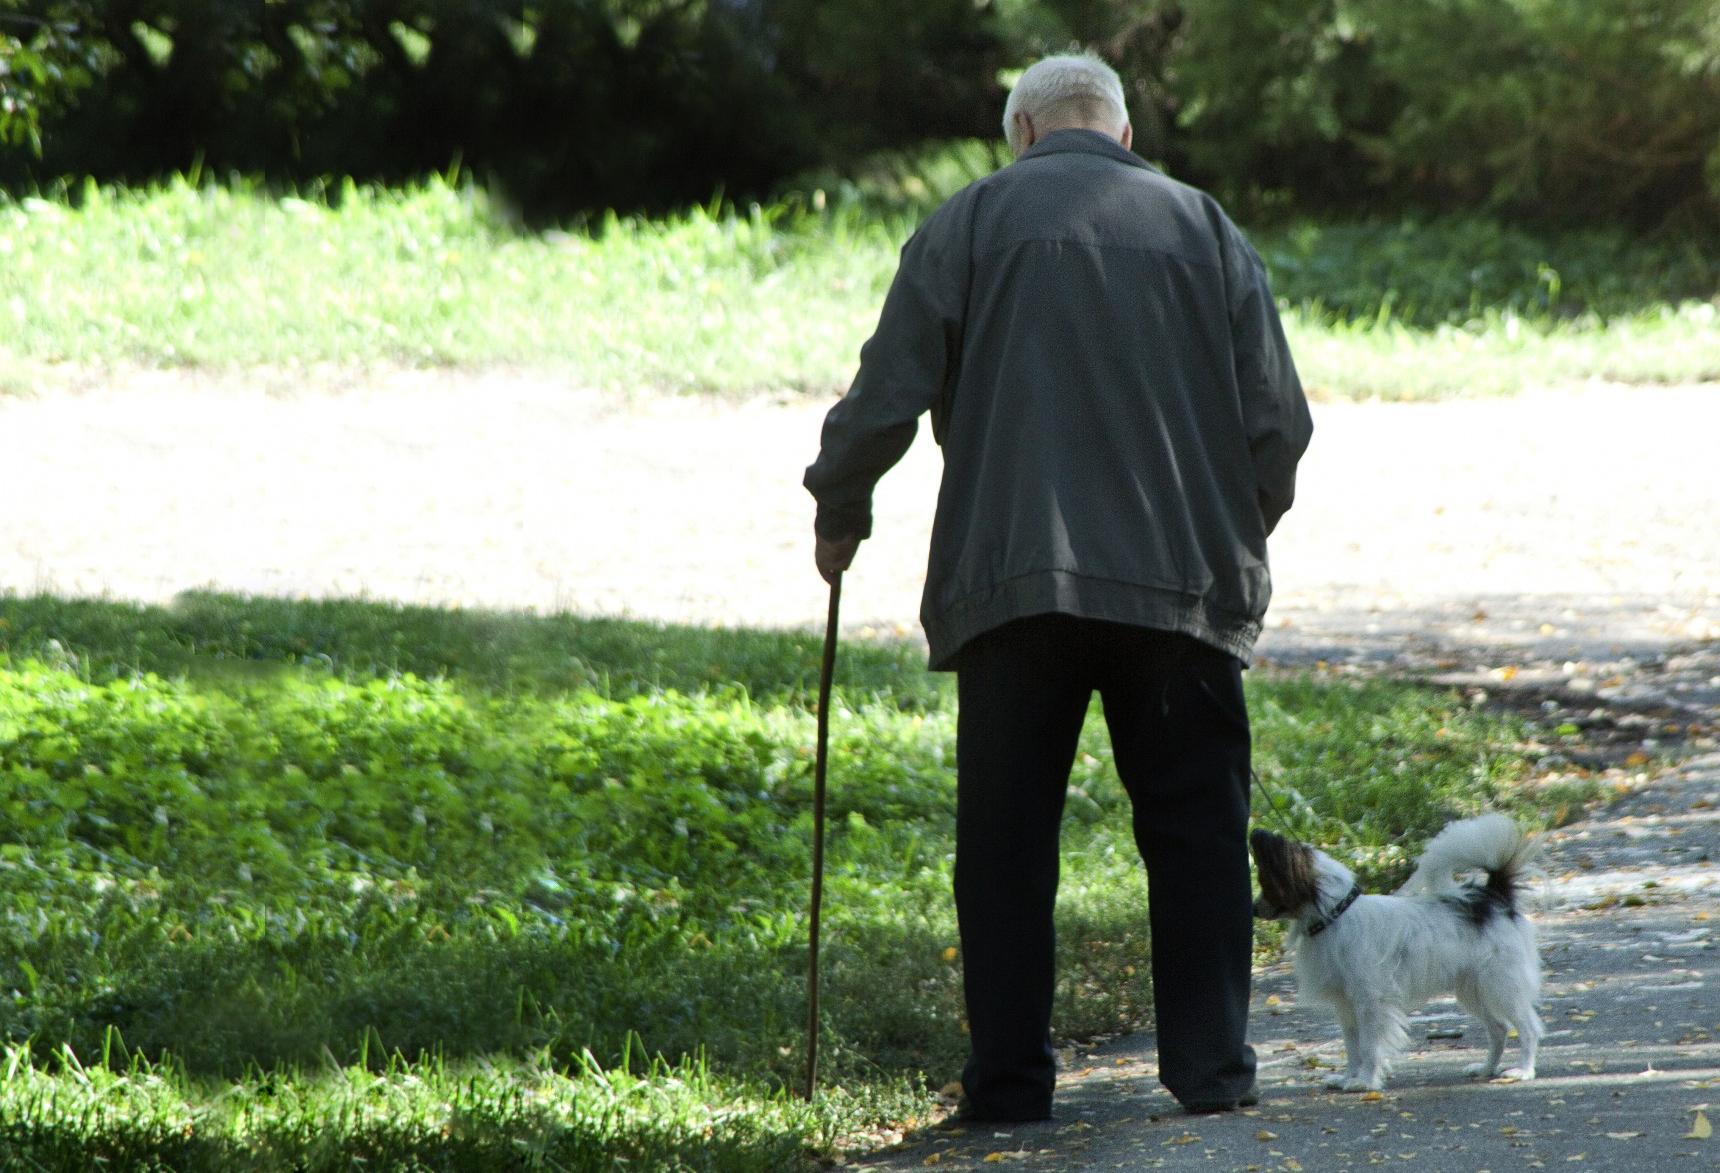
x=820, y=765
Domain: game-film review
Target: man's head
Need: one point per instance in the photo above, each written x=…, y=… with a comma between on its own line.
x=1073, y=91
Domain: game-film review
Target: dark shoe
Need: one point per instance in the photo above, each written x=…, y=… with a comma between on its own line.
x=966, y=1114
x=1247, y=1099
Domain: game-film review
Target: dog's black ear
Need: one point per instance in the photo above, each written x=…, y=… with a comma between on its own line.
x=1289, y=881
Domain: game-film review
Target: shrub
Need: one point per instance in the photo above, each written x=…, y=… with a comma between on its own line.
x=569, y=105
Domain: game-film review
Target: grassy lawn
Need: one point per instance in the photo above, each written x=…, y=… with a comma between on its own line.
x=288, y=885
x=770, y=298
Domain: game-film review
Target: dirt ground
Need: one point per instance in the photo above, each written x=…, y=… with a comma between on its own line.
x=1576, y=519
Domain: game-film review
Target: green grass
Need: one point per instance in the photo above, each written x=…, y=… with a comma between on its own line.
x=768, y=298
x=225, y=276
x=1501, y=353
x=61, y=1112
x=258, y=851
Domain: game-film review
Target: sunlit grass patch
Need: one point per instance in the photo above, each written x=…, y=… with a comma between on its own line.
x=755, y=298
x=258, y=849
x=1502, y=353
x=229, y=276
x=60, y=1111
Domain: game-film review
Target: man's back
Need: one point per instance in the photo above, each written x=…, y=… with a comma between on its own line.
x=1096, y=438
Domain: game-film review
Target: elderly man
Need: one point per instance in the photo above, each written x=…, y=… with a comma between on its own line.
x=1121, y=422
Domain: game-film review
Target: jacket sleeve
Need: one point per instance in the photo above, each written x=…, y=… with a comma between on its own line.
x=904, y=369
x=1274, y=408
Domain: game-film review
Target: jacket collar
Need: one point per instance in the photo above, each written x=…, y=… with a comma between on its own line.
x=1084, y=142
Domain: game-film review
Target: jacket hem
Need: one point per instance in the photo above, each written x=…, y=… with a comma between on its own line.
x=1066, y=593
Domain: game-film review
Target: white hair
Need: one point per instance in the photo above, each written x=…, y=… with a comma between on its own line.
x=1069, y=90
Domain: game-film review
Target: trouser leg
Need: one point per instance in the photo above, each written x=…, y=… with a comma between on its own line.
x=1022, y=705
x=1179, y=730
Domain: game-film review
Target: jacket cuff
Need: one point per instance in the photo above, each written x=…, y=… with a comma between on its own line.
x=835, y=523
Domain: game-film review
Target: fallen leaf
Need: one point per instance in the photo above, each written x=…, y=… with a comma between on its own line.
x=1625, y=1135
x=934, y=1159
x=1264, y=1135
x=1292, y=1164
x=994, y=1158
x=1700, y=1129
x=1185, y=1138
x=1372, y=1097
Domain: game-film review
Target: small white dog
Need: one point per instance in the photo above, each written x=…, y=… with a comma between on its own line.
x=1376, y=958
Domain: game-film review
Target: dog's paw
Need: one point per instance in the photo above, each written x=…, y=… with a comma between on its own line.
x=1523, y=1074
x=1354, y=1083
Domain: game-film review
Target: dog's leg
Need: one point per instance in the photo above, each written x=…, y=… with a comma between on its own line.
x=1529, y=1031
x=1496, y=1035
x=1521, y=1006
x=1352, y=1047
x=1371, y=1055
x=1503, y=1006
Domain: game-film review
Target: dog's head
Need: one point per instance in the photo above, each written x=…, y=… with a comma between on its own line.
x=1289, y=875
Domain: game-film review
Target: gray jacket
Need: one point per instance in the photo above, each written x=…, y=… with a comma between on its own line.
x=1119, y=413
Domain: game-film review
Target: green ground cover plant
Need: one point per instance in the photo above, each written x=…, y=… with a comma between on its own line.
x=767, y=298
x=286, y=882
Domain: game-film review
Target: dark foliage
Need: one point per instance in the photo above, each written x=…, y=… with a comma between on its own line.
x=1591, y=112
x=570, y=104
x=1603, y=111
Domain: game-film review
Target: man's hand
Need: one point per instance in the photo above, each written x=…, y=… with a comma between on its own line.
x=833, y=557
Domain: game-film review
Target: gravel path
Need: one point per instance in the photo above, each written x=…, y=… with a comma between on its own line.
x=1563, y=524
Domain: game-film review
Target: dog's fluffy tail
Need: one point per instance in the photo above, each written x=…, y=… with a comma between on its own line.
x=1491, y=843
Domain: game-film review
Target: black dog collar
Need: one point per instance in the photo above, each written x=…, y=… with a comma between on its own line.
x=1324, y=923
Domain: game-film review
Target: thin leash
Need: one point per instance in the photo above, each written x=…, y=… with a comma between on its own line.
x=1285, y=823
x=1283, y=820
x=820, y=766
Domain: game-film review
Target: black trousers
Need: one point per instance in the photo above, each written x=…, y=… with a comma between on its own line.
x=1179, y=733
